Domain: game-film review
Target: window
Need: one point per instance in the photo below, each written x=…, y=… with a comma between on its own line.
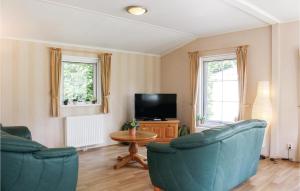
x=79, y=80
x=219, y=88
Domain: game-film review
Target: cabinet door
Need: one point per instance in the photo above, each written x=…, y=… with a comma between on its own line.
x=170, y=131
x=158, y=131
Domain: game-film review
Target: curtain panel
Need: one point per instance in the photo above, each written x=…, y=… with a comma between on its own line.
x=55, y=80
x=241, y=57
x=194, y=73
x=105, y=60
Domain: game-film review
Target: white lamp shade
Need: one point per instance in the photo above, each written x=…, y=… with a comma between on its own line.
x=262, y=107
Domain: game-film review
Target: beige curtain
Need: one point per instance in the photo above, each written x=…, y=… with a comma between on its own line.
x=194, y=72
x=105, y=80
x=55, y=79
x=241, y=56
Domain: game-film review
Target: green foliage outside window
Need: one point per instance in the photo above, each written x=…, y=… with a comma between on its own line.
x=78, y=81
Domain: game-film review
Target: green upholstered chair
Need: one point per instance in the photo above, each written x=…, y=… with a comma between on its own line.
x=29, y=166
x=217, y=159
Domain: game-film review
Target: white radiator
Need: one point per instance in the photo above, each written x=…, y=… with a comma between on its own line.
x=83, y=131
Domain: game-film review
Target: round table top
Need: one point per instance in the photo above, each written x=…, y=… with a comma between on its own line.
x=140, y=136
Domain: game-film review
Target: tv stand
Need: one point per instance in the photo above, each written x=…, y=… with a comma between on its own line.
x=165, y=130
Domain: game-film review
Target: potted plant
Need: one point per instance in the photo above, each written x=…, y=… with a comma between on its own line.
x=200, y=119
x=125, y=127
x=132, y=127
x=87, y=100
x=66, y=101
x=183, y=130
x=94, y=100
x=75, y=100
x=80, y=99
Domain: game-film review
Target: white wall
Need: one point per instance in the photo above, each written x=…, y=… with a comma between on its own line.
x=25, y=88
x=285, y=89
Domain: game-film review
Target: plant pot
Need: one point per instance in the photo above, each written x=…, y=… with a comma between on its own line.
x=66, y=102
x=132, y=131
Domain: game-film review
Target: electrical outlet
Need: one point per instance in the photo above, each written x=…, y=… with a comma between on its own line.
x=289, y=146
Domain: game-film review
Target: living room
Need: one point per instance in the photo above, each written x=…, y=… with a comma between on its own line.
x=143, y=95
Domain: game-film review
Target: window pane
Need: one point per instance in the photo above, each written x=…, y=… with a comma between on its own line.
x=214, y=91
x=230, y=91
x=214, y=110
x=229, y=70
x=78, y=81
x=214, y=70
x=230, y=111
x=220, y=88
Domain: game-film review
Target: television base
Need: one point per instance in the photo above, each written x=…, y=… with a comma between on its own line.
x=155, y=119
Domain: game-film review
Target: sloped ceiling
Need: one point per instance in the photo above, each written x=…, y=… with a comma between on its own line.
x=168, y=23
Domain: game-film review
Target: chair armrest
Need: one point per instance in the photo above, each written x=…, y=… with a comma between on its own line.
x=20, y=131
x=55, y=153
x=160, y=148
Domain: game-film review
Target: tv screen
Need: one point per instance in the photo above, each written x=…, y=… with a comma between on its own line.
x=155, y=106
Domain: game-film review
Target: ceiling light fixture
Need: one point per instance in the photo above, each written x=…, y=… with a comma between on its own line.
x=136, y=10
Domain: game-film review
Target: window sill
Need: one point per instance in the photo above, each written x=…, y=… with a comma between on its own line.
x=211, y=124
x=201, y=128
x=80, y=105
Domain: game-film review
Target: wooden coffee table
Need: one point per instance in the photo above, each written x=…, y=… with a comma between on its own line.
x=141, y=136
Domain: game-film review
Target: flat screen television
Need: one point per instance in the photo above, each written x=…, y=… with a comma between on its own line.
x=155, y=106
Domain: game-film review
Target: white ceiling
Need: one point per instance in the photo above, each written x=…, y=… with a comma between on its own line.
x=168, y=23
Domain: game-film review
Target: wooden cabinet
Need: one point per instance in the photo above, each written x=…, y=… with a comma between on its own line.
x=165, y=130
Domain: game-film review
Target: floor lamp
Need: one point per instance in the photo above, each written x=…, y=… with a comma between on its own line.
x=262, y=107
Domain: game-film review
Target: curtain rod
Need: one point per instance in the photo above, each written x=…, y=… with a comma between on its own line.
x=209, y=50
x=82, y=51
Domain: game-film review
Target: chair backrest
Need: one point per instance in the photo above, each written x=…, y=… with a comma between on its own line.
x=11, y=143
x=221, y=157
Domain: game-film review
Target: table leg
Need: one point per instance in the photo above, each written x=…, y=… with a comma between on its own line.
x=121, y=157
x=133, y=156
x=141, y=161
x=133, y=149
x=143, y=157
x=123, y=162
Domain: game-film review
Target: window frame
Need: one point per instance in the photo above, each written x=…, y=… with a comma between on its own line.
x=202, y=95
x=82, y=60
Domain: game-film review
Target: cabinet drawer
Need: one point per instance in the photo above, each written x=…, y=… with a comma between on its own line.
x=171, y=125
x=143, y=128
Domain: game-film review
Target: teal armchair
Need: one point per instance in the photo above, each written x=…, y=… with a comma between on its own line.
x=28, y=165
x=217, y=159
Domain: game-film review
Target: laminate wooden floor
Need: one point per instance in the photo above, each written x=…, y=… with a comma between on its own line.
x=96, y=173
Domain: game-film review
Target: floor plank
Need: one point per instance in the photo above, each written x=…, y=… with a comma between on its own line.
x=96, y=173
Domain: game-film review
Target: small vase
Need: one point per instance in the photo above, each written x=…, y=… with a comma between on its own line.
x=132, y=131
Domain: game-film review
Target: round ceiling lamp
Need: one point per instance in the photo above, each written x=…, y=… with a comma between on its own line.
x=136, y=10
